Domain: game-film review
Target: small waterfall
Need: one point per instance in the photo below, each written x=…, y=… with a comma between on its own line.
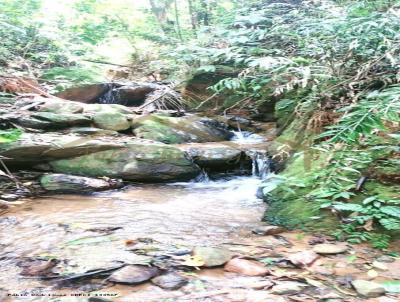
x=203, y=177
x=111, y=96
x=261, y=163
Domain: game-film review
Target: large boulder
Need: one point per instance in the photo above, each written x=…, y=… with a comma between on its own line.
x=138, y=161
x=85, y=94
x=39, y=148
x=60, y=120
x=177, y=130
x=63, y=183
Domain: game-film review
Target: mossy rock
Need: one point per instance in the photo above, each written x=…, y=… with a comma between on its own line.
x=111, y=121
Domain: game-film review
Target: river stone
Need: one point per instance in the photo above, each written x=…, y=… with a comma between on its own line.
x=170, y=281
x=288, y=288
x=212, y=256
x=111, y=121
x=138, y=161
x=268, y=230
x=38, y=147
x=330, y=249
x=93, y=131
x=246, y=267
x=178, y=130
x=62, y=119
x=304, y=258
x=368, y=289
x=134, y=274
x=64, y=183
x=213, y=155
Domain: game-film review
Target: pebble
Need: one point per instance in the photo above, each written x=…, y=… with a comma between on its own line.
x=305, y=258
x=134, y=274
x=170, y=281
x=368, y=289
x=330, y=249
x=288, y=288
x=246, y=267
x=268, y=230
x=212, y=256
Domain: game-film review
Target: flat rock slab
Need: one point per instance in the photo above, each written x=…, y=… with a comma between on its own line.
x=330, y=249
x=305, y=258
x=64, y=183
x=134, y=274
x=170, y=281
x=368, y=289
x=246, y=267
x=212, y=256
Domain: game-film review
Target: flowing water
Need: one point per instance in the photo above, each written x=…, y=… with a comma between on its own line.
x=91, y=232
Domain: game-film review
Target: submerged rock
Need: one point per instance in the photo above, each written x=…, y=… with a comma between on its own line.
x=170, y=281
x=139, y=160
x=212, y=256
x=246, y=267
x=134, y=274
x=64, y=183
x=330, y=249
x=368, y=288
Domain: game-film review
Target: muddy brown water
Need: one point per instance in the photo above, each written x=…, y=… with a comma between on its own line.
x=77, y=230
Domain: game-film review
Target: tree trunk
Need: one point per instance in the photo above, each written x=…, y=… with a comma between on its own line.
x=193, y=18
x=177, y=24
x=160, y=12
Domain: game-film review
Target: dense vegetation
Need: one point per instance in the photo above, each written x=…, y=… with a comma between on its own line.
x=329, y=68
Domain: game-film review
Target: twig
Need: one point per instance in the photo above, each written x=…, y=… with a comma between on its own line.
x=106, y=63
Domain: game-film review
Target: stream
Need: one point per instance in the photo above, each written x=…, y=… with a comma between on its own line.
x=88, y=232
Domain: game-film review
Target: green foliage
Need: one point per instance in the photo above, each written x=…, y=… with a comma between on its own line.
x=9, y=135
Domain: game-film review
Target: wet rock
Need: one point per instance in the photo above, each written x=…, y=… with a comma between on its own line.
x=111, y=121
x=84, y=94
x=93, y=131
x=59, y=120
x=63, y=183
x=9, y=197
x=246, y=267
x=139, y=160
x=288, y=288
x=330, y=249
x=368, y=288
x=213, y=155
x=31, y=148
x=212, y=256
x=268, y=230
x=178, y=130
x=302, y=259
x=134, y=274
x=170, y=281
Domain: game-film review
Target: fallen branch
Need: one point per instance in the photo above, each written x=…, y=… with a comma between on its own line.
x=106, y=63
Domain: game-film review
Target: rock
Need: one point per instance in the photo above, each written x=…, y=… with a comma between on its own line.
x=30, y=122
x=259, y=296
x=135, y=94
x=288, y=288
x=31, y=148
x=246, y=267
x=380, y=265
x=111, y=121
x=133, y=274
x=213, y=155
x=57, y=106
x=302, y=259
x=268, y=230
x=330, y=297
x=93, y=131
x=212, y=256
x=368, y=289
x=170, y=281
x=63, y=183
x=85, y=94
x=106, y=108
x=138, y=160
x=59, y=120
x=178, y=130
x=264, y=284
x=9, y=197
x=4, y=205
x=386, y=259
x=330, y=249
